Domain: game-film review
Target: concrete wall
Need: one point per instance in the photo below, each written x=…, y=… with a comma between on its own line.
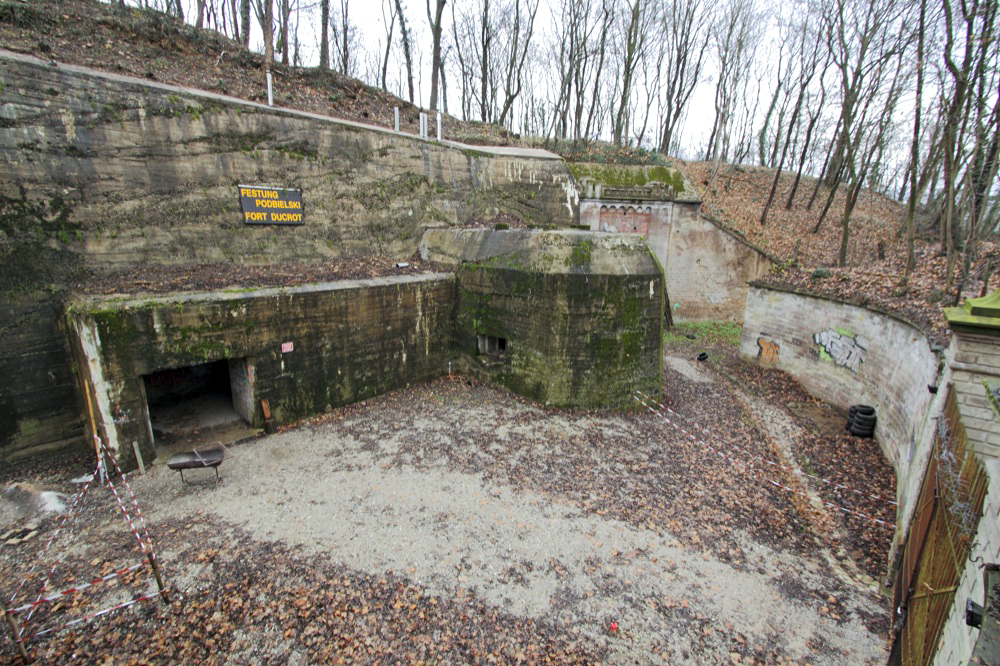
x=580, y=314
x=100, y=172
x=350, y=340
x=706, y=267
x=850, y=355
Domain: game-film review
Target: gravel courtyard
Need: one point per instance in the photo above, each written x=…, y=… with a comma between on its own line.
x=454, y=523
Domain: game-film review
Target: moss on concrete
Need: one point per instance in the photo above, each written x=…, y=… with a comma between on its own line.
x=628, y=176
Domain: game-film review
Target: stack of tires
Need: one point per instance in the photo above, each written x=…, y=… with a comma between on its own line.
x=861, y=420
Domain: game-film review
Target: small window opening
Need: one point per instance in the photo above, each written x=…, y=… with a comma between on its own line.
x=490, y=344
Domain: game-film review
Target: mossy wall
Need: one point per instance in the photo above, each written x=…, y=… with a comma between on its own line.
x=102, y=173
x=351, y=340
x=581, y=315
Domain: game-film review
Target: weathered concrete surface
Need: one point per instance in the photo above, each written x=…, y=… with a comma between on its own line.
x=580, y=314
x=706, y=266
x=848, y=355
x=99, y=171
x=149, y=172
x=350, y=341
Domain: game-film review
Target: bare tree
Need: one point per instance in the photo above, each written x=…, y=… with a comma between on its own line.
x=391, y=25
x=684, y=31
x=492, y=41
x=735, y=35
x=633, y=42
x=813, y=112
x=807, y=59
x=407, y=53
x=344, y=36
x=245, y=22
x=324, y=40
x=911, y=205
x=977, y=43
x=519, y=26
x=864, y=37
x=434, y=19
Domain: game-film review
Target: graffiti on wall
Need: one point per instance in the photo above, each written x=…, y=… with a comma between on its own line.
x=767, y=350
x=842, y=347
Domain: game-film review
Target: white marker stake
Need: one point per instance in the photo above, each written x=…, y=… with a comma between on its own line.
x=138, y=457
x=270, y=97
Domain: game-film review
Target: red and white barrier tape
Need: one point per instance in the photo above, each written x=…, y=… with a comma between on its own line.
x=740, y=463
x=83, y=586
x=69, y=516
x=135, y=502
x=793, y=470
x=151, y=595
x=69, y=520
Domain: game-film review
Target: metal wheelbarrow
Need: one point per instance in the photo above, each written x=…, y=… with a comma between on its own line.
x=210, y=457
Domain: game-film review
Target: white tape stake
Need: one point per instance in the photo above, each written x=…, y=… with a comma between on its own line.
x=138, y=457
x=270, y=96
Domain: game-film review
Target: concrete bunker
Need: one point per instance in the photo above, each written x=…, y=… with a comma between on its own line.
x=199, y=404
x=566, y=318
x=570, y=319
x=303, y=349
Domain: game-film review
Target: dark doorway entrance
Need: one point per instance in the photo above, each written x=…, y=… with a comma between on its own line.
x=193, y=406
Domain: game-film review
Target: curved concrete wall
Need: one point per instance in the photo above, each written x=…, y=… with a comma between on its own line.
x=848, y=355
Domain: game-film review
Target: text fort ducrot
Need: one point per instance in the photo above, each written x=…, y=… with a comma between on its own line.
x=270, y=198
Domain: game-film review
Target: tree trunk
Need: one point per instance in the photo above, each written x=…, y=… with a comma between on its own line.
x=324, y=35
x=911, y=204
x=284, y=11
x=485, y=38
x=245, y=23
x=268, y=35
x=633, y=43
x=407, y=55
x=435, y=23
x=388, y=49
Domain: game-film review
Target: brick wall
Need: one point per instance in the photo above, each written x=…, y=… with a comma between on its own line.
x=976, y=358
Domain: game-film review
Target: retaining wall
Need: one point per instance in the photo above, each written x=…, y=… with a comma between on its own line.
x=847, y=354
x=706, y=267
x=100, y=172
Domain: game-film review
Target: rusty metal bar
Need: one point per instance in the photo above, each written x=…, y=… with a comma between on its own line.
x=16, y=630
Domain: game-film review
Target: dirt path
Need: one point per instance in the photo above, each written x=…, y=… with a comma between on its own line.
x=534, y=526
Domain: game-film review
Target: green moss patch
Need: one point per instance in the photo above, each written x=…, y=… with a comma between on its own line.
x=626, y=176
